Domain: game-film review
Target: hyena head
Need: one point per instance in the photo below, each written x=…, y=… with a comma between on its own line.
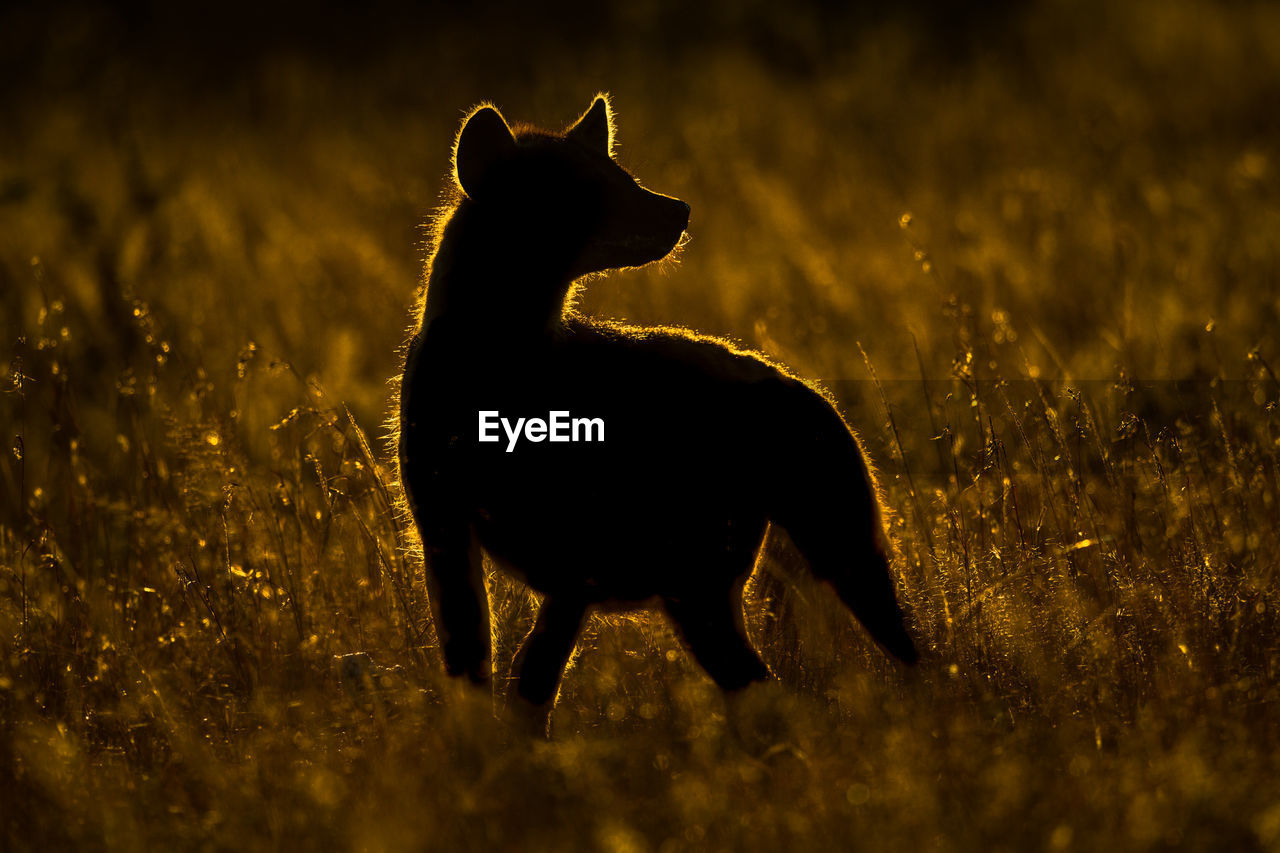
x=559, y=203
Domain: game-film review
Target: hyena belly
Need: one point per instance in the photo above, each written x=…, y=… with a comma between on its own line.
x=669, y=499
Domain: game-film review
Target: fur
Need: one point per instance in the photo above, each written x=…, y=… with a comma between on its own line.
x=706, y=443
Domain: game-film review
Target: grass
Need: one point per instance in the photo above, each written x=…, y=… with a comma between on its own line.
x=1037, y=269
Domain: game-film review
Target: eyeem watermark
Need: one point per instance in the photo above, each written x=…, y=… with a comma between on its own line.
x=558, y=426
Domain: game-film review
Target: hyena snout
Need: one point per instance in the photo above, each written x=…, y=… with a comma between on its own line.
x=656, y=226
x=644, y=227
x=674, y=219
x=680, y=216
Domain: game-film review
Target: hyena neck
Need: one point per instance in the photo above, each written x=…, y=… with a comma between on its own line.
x=494, y=283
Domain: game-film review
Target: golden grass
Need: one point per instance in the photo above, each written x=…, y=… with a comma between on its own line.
x=1062, y=269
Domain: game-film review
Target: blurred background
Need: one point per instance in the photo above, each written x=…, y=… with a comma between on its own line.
x=1030, y=246
x=1099, y=179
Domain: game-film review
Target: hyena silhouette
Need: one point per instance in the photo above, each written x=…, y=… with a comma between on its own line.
x=704, y=444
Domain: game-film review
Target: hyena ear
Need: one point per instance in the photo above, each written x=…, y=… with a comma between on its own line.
x=595, y=128
x=484, y=140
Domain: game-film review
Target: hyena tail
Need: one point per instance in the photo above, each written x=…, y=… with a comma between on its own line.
x=825, y=498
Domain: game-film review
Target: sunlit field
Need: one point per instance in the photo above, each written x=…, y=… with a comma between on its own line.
x=1034, y=257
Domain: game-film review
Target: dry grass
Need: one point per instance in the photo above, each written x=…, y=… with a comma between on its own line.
x=1059, y=259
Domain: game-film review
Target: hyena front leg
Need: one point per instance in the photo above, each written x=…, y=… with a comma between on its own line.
x=542, y=658
x=459, y=605
x=437, y=479
x=711, y=623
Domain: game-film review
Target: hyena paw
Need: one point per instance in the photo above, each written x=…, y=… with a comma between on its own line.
x=760, y=719
x=525, y=719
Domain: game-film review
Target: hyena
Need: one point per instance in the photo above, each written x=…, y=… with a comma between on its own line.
x=698, y=445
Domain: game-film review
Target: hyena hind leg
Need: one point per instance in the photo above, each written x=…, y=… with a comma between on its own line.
x=711, y=623
x=542, y=658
